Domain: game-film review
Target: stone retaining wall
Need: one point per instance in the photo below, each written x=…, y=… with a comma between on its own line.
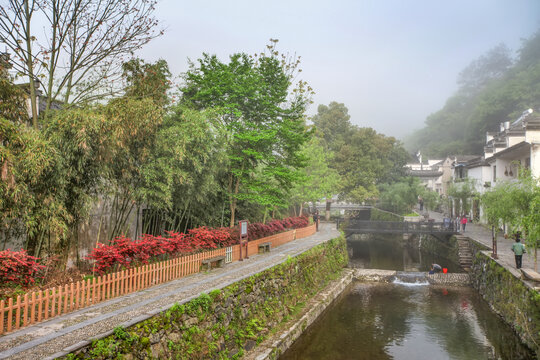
x=447, y=248
x=276, y=346
x=228, y=322
x=516, y=302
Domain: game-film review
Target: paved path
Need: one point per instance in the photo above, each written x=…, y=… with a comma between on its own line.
x=483, y=235
x=66, y=333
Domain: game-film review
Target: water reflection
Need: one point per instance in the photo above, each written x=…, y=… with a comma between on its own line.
x=388, y=321
x=391, y=252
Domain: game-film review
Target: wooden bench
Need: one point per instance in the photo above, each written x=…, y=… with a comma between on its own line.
x=220, y=260
x=264, y=247
x=530, y=274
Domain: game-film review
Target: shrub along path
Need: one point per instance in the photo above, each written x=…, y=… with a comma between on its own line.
x=66, y=333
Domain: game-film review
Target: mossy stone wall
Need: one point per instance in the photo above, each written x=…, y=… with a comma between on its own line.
x=227, y=322
x=447, y=247
x=513, y=300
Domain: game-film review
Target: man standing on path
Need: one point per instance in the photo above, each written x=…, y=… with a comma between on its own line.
x=463, y=223
x=518, y=248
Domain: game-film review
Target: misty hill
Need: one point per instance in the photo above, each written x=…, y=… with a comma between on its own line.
x=493, y=89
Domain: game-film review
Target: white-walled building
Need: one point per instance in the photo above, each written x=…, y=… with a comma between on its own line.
x=514, y=146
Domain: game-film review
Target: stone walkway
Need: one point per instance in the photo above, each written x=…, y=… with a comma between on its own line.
x=483, y=235
x=69, y=332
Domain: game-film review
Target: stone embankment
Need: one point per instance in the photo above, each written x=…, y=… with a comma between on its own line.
x=229, y=322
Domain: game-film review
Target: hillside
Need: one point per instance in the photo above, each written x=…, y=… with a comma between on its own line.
x=493, y=89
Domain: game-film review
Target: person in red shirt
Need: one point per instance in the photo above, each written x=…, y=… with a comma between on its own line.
x=463, y=223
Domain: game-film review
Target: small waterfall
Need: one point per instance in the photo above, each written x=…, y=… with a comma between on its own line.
x=411, y=278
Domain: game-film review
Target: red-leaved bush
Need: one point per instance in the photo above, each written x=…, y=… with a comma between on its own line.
x=123, y=252
x=19, y=268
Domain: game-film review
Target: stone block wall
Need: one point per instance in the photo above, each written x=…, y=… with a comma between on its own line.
x=227, y=322
x=516, y=302
x=448, y=247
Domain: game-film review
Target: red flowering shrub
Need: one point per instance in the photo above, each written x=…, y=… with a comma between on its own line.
x=123, y=252
x=19, y=268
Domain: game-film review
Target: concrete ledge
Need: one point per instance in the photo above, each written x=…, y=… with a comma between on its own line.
x=530, y=274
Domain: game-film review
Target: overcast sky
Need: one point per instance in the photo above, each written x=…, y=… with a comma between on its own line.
x=391, y=62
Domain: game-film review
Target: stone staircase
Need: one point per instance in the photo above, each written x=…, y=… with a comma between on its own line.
x=464, y=252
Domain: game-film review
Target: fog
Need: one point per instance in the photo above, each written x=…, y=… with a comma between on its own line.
x=392, y=63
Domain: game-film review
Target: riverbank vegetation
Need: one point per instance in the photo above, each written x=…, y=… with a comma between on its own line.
x=129, y=152
x=515, y=205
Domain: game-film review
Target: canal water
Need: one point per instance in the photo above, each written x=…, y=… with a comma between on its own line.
x=405, y=320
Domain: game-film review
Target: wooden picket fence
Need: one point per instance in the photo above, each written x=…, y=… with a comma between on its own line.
x=38, y=306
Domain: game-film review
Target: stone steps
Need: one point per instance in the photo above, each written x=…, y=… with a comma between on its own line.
x=464, y=253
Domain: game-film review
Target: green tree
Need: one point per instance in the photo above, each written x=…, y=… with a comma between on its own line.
x=183, y=180
x=318, y=179
x=463, y=194
x=400, y=197
x=367, y=160
x=12, y=104
x=29, y=203
x=263, y=113
x=333, y=125
x=81, y=140
x=515, y=204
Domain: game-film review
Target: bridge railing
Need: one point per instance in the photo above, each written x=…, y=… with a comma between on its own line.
x=398, y=226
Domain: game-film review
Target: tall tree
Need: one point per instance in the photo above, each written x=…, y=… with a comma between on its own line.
x=318, y=179
x=263, y=112
x=80, y=53
x=333, y=124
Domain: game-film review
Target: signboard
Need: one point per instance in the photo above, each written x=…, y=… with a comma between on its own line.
x=243, y=238
x=243, y=228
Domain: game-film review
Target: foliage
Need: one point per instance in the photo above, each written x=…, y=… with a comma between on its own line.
x=400, y=197
x=79, y=53
x=317, y=180
x=263, y=116
x=493, y=89
x=147, y=80
x=124, y=253
x=29, y=203
x=183, y=179
x=12, y=104
x=19, y=268
x=463, y=192
x=362, y=157
x=515, y=203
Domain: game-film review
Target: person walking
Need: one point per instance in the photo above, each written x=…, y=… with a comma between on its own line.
x=463, y=223
x=316, y=219
x=518, y=249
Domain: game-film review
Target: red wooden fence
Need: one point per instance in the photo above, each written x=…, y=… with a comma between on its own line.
x=37, y=306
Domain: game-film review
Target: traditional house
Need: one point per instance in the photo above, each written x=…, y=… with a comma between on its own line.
x=514, y=146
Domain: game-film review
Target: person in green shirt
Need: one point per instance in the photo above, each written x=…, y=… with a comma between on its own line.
x=518, y=248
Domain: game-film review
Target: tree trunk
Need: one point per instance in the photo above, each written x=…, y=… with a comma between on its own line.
x=301, y=208
x=30, y=65
x=233, y=200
